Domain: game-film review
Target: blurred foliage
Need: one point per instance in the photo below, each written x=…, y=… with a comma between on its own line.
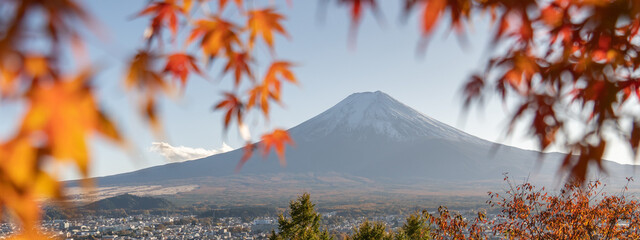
x=563, y=60
x=525, y=212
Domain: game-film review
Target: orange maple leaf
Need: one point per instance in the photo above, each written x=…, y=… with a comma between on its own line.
x=432, y=11
x=217, y=34
x=239, y=63
x=277, y=139
x=18, y=159
x=270, y=88
x=67, y=112
x=282, y=68
x=272, y=80
x=265, y=22
x=23, y=182
x=179, y=65
x=248, y=152
x=142, y=74
x=259, y=94
x=234, y=107
x=163, y=12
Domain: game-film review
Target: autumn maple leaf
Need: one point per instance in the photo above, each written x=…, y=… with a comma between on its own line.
x=142, y=73
x=234, y=107
x=259, y=95
x=280, y=68
x=270, y=88
x=179, y=65
x=264, y=22
x=24, y=183
x=239, y=63
x=276, y=139
x=431, y=15
x=217, y=34
x=67, y=113
x=163, y=12
x=18, y=160
x=248, y=152
x=272, y=80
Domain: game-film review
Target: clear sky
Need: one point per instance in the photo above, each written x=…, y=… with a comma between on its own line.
x=385, y=57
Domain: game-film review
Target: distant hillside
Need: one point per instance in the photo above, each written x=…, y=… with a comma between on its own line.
x=130, y=202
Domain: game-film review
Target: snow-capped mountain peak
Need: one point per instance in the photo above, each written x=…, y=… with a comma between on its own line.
x=377, y=113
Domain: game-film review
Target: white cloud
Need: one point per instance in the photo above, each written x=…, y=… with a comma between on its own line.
x=182, y=153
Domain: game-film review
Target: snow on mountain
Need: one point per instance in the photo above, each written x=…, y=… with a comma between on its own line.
x=361, y=114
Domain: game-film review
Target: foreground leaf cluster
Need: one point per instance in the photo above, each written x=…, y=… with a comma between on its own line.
x=564, y=62
x=525, y=212
x=63, y=110
x=520, y=212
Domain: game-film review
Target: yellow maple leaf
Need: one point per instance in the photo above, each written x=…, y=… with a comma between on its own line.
x=264, y=22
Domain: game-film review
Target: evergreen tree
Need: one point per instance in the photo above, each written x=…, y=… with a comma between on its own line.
x=416, y=228
x=371, y=231
x=303, y=224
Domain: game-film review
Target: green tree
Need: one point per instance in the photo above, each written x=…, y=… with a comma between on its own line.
x=371, y=230
x=303, y=223
x=416, y=228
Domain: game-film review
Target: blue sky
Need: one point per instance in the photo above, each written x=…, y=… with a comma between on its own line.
x=385, y=58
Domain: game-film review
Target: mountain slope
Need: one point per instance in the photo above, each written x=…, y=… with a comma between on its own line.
x=369, y=135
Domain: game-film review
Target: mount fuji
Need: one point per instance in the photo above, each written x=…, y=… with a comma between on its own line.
x=368, y=138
